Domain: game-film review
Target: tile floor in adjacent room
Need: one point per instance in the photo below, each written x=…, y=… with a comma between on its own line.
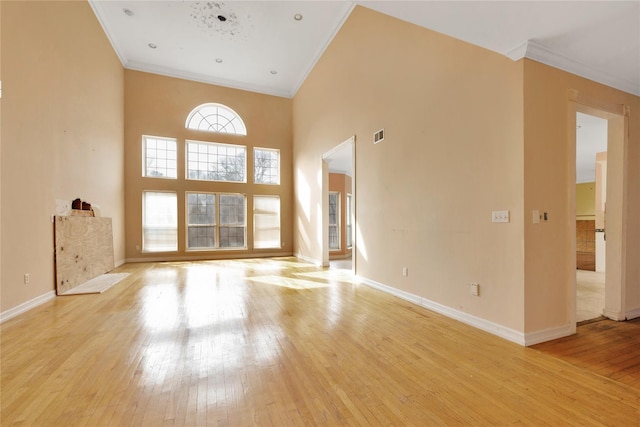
x=589, y=295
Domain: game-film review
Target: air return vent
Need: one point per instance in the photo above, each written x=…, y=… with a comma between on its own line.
x=378, y=136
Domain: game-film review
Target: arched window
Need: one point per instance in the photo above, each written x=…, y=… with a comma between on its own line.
x=215, y=118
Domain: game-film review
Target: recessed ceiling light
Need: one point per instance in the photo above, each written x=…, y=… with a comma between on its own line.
x=219, y=60
x=297, y=17
x=127, y=12
x=152, y=45
x=274, y=72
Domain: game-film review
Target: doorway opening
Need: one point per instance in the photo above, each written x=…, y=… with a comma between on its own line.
x=338, y=195
x=591, y=164
x=599, y=282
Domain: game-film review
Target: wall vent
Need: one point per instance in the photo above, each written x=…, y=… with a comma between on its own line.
x=378, y=136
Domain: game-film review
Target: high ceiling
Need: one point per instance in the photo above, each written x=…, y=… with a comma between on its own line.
x=262, y=47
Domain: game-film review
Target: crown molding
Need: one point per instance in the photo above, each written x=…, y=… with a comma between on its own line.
x=537, y=52
x=202, y=78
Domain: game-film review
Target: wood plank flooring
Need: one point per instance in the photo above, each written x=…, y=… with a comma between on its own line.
x=280, y=342
x=605, y=347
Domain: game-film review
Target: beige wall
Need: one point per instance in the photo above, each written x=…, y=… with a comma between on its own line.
x=62, y=134
x=552, y=98
x=453, y=152
x=586, y=200
x=159, y=106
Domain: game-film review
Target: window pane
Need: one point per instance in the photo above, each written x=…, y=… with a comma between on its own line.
x=160, y=222
x=334, y=231
x=159, y=157
x=232, y=220
x=266, y=222
x=201, y=219
x=216, y=162
x=215, y=118
x=232, y=237
x=349, y=218
x=266, y=166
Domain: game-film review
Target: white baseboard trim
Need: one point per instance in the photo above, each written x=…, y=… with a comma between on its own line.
x=477, y=322
x=633, y=313
x=308, y=259
x=618, y=316
x=26, y=306
x=120, y=262
x=532, y=338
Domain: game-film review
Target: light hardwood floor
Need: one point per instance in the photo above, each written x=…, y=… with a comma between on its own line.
x=280, y=342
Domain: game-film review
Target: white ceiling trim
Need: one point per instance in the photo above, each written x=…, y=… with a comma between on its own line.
x=318, y=54
x=95, y=6
x=203, y=78
x=537, y=52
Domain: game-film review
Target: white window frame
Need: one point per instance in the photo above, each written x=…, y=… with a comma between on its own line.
x=146, y=227
x=205, y=158
x=337, y=223
x=349, y=219
x=189, y=225
x=167, y=160
x=222, y=224
x=266, y=217
x=214, y=117
x=255, y=164
x=218, y=224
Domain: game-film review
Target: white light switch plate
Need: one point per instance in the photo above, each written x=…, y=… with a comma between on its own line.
x=500, y=216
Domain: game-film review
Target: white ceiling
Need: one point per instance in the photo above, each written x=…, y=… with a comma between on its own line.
x=261, y=47
x=599, y=40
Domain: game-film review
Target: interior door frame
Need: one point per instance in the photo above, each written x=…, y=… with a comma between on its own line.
x=324, y=224
x=617, y=117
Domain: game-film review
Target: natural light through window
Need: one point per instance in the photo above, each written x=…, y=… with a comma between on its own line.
x=266, y=166
x=159, y=157
x=233, y=227
x=201, y=220
x=215, y=118
x=160, y=221
x=216, y=162
x=334, y=222
x=266, y=222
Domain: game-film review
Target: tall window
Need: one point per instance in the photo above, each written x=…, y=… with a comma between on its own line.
x=159, y=157
x=159, y=221
x=216, y=162
x=349, y=218
x=266, y=222
x=266, y=166
x=232, y=220
x=215, y=118
x=334, y=222
x=216, y=220
x=201, y=220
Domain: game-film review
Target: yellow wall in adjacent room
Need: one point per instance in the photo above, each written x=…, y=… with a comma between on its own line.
x=62, y=134
x=586, y=200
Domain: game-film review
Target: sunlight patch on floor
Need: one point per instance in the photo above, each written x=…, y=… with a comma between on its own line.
x=339, y=275
x=287, y=282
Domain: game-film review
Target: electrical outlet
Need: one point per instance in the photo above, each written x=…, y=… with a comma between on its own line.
x=405, y=271
x=475, y=289
x=27, y=278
